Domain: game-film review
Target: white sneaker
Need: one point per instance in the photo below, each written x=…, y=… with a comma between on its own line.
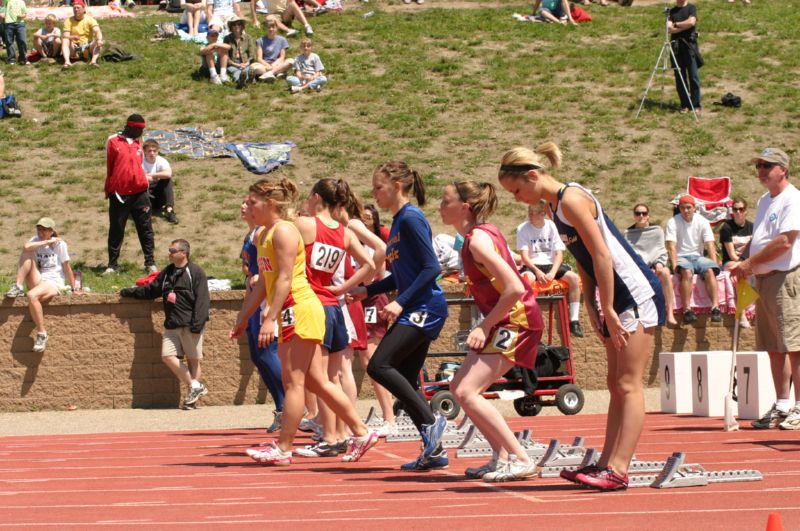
x=513, y=471
x=224, y=77
x=309, y=31
x=15, y=291
x=294, y=89
x=150, y=269
x=267, y=76
x=215, y=80
x=406, y=1
x=291, y=33
x=792, y=421
x=41, y=341
x=479, y=472
x=387, y=429
x=109, y=271
x=500, y=468
x=420, y=1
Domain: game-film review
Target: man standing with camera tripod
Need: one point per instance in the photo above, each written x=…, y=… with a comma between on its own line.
x=682, y=26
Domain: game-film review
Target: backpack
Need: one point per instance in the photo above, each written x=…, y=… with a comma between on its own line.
x=9, y=108
x=731, y=100
x=174, y=6
x=165, y=30
x=115, y=53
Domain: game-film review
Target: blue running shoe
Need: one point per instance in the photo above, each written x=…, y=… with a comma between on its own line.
x=433, y=434
x=424, y=464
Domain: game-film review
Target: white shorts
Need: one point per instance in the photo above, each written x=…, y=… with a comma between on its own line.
x=647, y=315
x=220, y=21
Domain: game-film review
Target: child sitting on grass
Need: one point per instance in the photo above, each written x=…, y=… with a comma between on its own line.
x=47, y=39
x=159, y=175
x=308, y=69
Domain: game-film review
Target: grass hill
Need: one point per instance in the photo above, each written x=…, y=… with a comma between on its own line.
x=447, y=86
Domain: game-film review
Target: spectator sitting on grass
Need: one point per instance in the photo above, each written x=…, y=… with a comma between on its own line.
x=9, y=110
x=553, y=11
x=271, y=53
x=308, y=70
x=44, y=267
x=194, y=11
x=239, y=62
x=159, y=177
x=220, y=12
x=81, y=37
x=47, y=39
x=283, y=12
x=212, y=56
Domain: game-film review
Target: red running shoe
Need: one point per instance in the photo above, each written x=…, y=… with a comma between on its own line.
x=572, y=475
x=605, y=479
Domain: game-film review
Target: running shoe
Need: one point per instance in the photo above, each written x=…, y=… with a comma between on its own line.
x=572, y=475
x=792, y=421
x=716, y=315
x=15, y=291
x=479, y=472
x=433, y=434
x=605, y=479
x=194, y=394
x=500, y=468
x=41, y=341
x=514, y=471
x=387, y=429
x=270, y=455
x=358, y=446
x=320, y=449
x=437, y=461
x=308, y=426
x=276, y=422
x=772, y=419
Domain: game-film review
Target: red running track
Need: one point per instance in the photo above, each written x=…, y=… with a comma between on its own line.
x=204, y=480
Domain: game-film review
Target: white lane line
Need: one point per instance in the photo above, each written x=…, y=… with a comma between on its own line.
x=234, y=516
x=457, y=505
x=347, y=511
x=344, y=493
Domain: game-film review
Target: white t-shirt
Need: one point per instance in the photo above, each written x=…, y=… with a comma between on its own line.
x=774, y=216
x=49, y=261
x=223, y=8
x=48, y=36
x=309, y=65
x=690, y=237
x=158, y=166
x=541, y=244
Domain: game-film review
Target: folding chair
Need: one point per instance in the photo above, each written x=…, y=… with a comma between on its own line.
x=713, y=197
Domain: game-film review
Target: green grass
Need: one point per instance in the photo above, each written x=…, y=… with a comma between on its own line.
x=448, y=90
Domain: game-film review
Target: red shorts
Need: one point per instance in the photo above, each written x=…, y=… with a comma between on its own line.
x=356, y=325
x=376, y=326
x=520, y=345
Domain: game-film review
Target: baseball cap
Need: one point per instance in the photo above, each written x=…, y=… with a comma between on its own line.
x=47, y=223
x=78, y=3
x=775, y=155
x=686, y=199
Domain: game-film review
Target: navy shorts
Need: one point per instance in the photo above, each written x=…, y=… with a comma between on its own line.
x=336, y=337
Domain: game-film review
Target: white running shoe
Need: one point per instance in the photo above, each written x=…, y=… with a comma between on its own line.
x=479, y=472
x=41, y=341
x=513, y=471
x=792, y=421
x=387, y=429
x=358, y=446
x=270, y=455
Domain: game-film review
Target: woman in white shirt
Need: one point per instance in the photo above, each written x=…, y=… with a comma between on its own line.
x=44, y=267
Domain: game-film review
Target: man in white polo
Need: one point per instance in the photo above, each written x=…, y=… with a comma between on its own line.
x=774, y=259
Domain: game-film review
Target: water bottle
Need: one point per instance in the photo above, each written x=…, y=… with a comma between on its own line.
x=368, y=14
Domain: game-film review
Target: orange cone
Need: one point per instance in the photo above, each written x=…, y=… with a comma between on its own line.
x=774, y=522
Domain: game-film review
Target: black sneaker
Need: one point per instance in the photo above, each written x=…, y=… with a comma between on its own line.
x=689, y=317
x=170, y=216
x=321, y=449
x=716, y=315
x=575, y=328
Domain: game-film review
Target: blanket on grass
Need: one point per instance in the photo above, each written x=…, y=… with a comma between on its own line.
x=262, y=157
x=63, y=13
x=192, y=142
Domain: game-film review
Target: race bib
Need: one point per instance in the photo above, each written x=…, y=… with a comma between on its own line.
x=418, y=318
x=370, y=314
x=504, y=339
x=325, y=257
x=287, y=317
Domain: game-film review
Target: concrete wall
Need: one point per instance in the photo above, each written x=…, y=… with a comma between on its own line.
x=104, y=352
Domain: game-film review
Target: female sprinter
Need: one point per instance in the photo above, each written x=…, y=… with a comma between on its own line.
x=294, y=313
x=509, y=333
x=265, y=359
x=366, y=320
x=631, y=300
x=418, y=312
x=327, y=243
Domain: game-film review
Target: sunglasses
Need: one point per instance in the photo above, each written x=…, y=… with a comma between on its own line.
x=641, y=213
x=173, y=251
x=742, y=209
x=765, y=165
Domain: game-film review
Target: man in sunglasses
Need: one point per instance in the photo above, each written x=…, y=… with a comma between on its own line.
x=184, y=288
x=774, y=259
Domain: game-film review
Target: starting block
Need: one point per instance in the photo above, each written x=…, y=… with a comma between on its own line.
x=454, y=434
x=755, y=391
x=373, y=420
x=710, y=378
x=557, y=455
x=676, y=474
x=674, y=371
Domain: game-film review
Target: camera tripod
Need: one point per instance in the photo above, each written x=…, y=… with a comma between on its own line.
x=662, y=63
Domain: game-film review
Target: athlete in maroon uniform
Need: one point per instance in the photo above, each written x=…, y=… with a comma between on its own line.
x=509, y=333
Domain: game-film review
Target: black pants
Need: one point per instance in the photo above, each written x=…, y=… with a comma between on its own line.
x=161, y=194
x=396, y=365
x=138, y=207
